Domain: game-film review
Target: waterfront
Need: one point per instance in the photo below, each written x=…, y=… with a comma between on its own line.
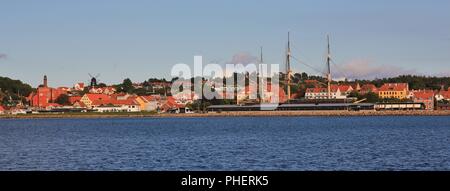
x=220, y=143
x=317, y=113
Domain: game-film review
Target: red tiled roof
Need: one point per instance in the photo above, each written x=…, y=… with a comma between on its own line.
x=73, y=99
x=172, y=101
x=129, y=101
x=1, y=108
x=81, y=84
x=81, y=104
x=113, y=101
x=94, y=97
x=116, y=95
x=394, y=87
x=445, y=94
x=423, y=95
x=342, y=88
x=368, y=87
x=151, y=98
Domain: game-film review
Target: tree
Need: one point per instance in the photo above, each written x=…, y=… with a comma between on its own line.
x=126, y=86
x=371, y=97
x=304, y=76
x=101, y=85
x=63, y=99
x=13, y=91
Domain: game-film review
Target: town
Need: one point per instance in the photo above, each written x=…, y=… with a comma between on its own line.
x=153, y=95
x=297, y=91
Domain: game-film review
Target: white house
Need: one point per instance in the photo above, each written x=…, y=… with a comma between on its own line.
x=322, y=93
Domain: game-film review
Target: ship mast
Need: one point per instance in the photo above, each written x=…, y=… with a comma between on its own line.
x=288, y=68
x=260, y=77
x=328, y=68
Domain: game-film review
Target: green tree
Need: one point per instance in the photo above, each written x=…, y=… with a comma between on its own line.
x=101, y=85
x=371, y=97
x=126, y=86
x=63, y=99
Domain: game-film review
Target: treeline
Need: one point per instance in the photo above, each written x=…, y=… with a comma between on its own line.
x=12, y=91
x=415, y=82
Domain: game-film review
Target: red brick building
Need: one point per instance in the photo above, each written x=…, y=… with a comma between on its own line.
x=45, y=96
x=426, y=97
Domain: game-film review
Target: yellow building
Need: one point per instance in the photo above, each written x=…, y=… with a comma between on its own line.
x=394, y=90
x=148, y=103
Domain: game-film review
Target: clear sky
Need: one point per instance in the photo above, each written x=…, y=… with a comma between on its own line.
x=68, y=39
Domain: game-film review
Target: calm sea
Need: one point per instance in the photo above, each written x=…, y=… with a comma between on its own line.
x=260, y=143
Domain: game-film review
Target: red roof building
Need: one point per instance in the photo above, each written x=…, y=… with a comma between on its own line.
x=73, y=99
x=394, y=87
x=367, y=88
x=170, y=103
x=424, y=96
x=44, y=95
x=91, y=100
x=109, y=90
x=79, y=86
x=394, y=90
x=443, y=95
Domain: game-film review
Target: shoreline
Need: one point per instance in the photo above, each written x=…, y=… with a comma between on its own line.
x=232, y=114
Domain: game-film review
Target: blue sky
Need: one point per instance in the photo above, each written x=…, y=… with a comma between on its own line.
x=67, y=39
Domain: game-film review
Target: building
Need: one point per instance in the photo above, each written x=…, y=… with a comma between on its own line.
x=16, y=111
x=149, y=103
x=346, y=89
x=368, y=88
x=90, y=100
x=424, y=96
x=109, y=90
x=2, y=110
x=74, y=99
x=443, y=95
x=356, y=87
x=132, y=107
x=186, y=97
x=337, y=92
x=106, y=103
x=79, y=104
x=79, y=86
x=45, y=96
x=170, y=104
x=393, y=90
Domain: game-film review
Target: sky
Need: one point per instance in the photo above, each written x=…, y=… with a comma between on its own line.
x=135, y=39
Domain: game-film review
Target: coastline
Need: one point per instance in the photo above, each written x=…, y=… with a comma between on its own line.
x=233, y=114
